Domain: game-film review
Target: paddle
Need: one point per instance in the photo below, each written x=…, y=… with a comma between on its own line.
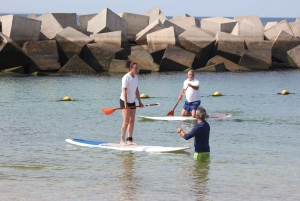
x=171, y=113
x=109, y=111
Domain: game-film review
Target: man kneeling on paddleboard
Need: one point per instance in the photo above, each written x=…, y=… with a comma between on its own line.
x=192, y=94
x=200, y=132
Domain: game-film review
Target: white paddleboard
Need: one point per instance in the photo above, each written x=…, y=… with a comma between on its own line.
x=107, y=145
x=182, y=118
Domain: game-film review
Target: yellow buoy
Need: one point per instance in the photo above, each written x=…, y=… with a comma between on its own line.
x=66, y=98
x=144, y=96
x=284, y=92
x=217, y=94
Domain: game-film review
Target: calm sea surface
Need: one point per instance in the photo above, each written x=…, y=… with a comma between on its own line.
x=255, y=154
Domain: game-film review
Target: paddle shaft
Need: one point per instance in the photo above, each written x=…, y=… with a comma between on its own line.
x=171, y=113
x=109, y=111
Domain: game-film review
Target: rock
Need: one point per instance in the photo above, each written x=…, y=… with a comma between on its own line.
x=143, y=58
x=50, y=26
x=141, y=37
x=263, y=48
x=228, y=65
x=248, y=32
x=176, y=59
x=76, y=65
x=270, y=25
x=294, y=57
x=220, y=67
x=254, y=19
x=135, y=24
x=19, y=70
x=107, y=21
x=11, y=54
x=32, y=16
x=295, y=26
x=83, y=22
x=197, y=40
x=229, y=46
x=118, y=66
x=66, y=19
x=217, y=24
x=254, y=61
x=154, y=14
x=20, y=29
x=100, y=55
x=178, y=30
x=283, y=43
x=159, y=40
x=297, y=20
x=70, y=42
x=186, y=22
x=44, y=55
x=273, y=31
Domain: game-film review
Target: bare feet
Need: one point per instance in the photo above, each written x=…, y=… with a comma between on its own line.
x=123, y=143
x=131, y=143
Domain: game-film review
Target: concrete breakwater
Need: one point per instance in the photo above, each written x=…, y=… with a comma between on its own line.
x=102, y=42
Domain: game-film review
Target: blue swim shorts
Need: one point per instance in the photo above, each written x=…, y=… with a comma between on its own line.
x=189, y=106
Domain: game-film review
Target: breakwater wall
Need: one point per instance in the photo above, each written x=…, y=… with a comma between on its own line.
x=102, y=42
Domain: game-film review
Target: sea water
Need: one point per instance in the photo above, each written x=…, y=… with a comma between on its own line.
x=254, y=154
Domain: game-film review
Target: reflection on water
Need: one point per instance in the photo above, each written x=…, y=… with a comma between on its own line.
x=200, y=179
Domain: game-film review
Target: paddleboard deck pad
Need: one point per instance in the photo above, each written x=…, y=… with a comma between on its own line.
x=184, y=118
x=115, y=146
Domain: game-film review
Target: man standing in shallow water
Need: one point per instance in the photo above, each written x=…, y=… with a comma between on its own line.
x=192, y=94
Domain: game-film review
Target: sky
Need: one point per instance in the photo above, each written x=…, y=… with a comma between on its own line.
x=196, y=8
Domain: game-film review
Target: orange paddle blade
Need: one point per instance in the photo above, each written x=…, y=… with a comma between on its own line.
x=108, y=111
x=171, y=113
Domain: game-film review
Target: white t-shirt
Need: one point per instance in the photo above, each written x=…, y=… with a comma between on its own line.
x=130, y=83
x=191, y=94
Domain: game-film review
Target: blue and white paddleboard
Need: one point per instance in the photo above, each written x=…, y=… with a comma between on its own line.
x=184, y=118
x=107, y=145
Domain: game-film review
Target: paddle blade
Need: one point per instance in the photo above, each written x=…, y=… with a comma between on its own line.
x=171, y=113
x=108, y=111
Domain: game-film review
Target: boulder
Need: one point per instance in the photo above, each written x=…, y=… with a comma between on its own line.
x=248, y=32
x=118, y=66
x=100, y=55
x=176, y=59
x=263, y=48
x=107, y=21
x=294, y=57
x=44, y=55
x=229, y=65
x=273, y=32
x=143, y=58
x=229, y=46
x=11, y=54
x=50, y=26
x=159, y=40
x=66, y=19
x=270, y=25
x=220, y=67
x=32, y=16
x=254, y=61
x=217, y=24
x=254, y=19
x=196, y=40
x=76, y=65
x=178, y=30
x=135, y=24
x=141, y=37
x=70, y=42
x=21, y=29
x=83, y=22
x=283, y=43
x=295, y=26
x=186, y=22
x=154, y=13
x=297, y=20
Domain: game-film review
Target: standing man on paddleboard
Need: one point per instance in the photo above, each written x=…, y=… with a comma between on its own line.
x=192, y=94
x=200, y=132
x=130, y=91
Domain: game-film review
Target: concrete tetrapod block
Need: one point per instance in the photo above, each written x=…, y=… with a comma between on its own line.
x=140, y=55
x=178, y=30
x=76, y=65
x=135, y=24
x=220, y=67
x=254, y=61
x=186, y=22
x=229, y=65
x=141, y=37
x=66, y=19
x=44, y=55
x=21, y=29
x=229, y=46
x=217, y=24
x=50, y=26
x=32, y=16
x=107, y=21
x=254, y=19
x=153, y=14
x=118, y=66
x=270, y=25
x=11, y=54
x=263, y=48
x=198, y=41
x=100, y=55
x=283, y=43
x=159, y=40
x=273, y=32
x=70, y=42
x=295, y=26
x=248, y=32
x=176, y=59
x=294, y=56
x=83, y=22
x=297, y=20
